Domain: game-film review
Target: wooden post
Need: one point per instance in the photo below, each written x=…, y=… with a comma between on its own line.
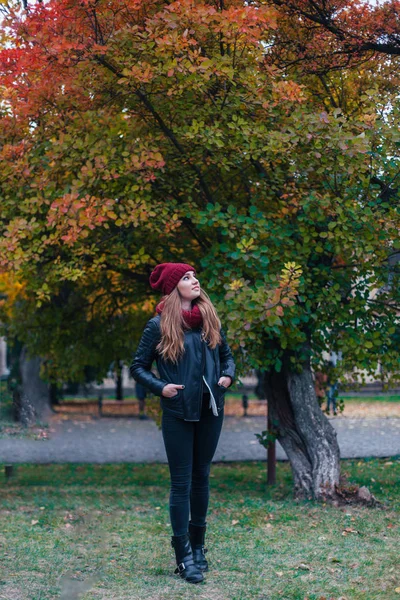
x=9, y=471
x=271, y=457
x=100, y=402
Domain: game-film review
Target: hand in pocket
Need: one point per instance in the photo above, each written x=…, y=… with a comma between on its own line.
x=224, y=382
x=171, y=389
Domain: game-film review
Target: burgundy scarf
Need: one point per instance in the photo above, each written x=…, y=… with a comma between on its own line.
x=192, y=317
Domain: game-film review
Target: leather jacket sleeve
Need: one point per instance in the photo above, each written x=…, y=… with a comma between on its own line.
x=144, y=357
x=226, y=358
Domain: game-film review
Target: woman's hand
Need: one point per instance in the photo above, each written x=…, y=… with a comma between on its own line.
x=225, y=381
x=171, y=389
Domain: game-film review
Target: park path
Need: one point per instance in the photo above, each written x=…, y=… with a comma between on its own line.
x=114, y=440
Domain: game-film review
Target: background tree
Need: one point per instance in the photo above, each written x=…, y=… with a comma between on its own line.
x=326, y=35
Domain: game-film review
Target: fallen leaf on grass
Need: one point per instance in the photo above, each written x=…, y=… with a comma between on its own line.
x=234, y=522
x=34, y=522
x=349, y=530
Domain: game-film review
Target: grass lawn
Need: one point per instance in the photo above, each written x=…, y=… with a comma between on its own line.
x=251, y=396
x=365, y=398
x=103, y=532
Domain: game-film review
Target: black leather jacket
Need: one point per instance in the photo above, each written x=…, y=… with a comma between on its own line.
x=198, y=364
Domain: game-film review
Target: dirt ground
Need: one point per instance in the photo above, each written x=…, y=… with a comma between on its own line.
x=233, y=407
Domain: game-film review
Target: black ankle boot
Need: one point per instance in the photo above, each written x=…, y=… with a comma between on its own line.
x=184, y=559
x=196, y=534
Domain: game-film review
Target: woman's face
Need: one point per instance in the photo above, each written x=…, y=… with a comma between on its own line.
x=189, y=286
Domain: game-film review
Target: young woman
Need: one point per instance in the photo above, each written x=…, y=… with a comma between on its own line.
x=195, y=367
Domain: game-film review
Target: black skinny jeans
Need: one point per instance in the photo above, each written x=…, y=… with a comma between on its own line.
x=190, y=447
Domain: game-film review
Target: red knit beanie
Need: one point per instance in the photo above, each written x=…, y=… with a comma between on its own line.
x=165, y=276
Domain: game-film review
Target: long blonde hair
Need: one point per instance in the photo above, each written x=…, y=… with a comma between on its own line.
x=171, y=346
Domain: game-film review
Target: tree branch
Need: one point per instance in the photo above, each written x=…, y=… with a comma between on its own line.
x=164, y=128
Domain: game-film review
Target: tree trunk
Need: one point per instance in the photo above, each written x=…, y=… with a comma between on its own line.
x=31, y=398
x=304, y=432
x=4, y=370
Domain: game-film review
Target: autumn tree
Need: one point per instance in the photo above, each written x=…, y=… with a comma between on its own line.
x=100, y=207
x=154, y=131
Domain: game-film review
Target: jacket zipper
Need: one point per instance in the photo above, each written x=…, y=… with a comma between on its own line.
x=202, y=369
x=213, y=404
